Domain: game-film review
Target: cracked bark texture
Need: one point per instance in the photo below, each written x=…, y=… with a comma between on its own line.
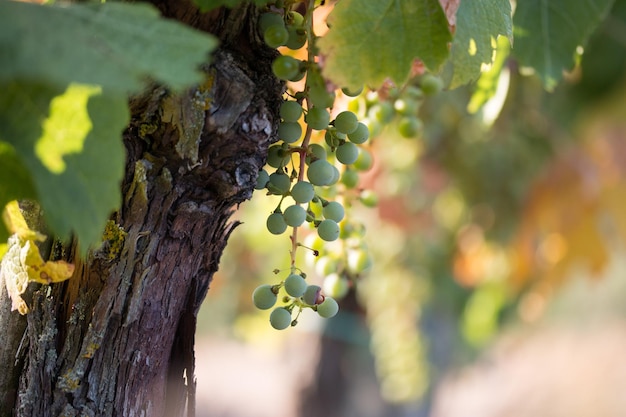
x=117, y=338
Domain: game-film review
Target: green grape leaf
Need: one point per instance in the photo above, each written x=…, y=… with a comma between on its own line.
x=76, y=167
x=115, y=45
x=489, y=81
x=547, y=33
x=370, y=41
x=478, y=24
x=206, y=5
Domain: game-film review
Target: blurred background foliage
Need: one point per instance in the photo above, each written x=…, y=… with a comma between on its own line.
x=481, y=222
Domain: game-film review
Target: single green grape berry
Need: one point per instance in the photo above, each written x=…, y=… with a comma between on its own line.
x=346, y=122
x=352, y=92
x=297, y=37
x=317, y=150
x=312, y=295
x=262, y=180
x=364, y=161
x=277, y=157
x=319, y=96
x=350, y=178
x=263, y=297
x=369, y=198
x=333, y=180
x=328, y=230
x=290, y=111
x=280, y=318
x=329, y=308
x=276, y=224
x=302, y=192
x=347, y=153
x=318, y=118
x=269, y=19
x=294, y=215
x=360, y=134
x=295, y=285
x=294, y=18
x=276, y=35
x=358, y=261
x=333, y=211
x=431, y=84
x=320, y=172
x=286, y=67
x=279, y=183
x=409, y=126
x=336, y=285
x=289, y=132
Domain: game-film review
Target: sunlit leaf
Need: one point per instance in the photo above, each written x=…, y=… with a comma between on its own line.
x=370, y=41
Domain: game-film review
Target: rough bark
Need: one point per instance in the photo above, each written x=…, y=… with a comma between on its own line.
x=117, y=338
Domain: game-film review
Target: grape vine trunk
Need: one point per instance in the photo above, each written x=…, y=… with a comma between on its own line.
x=117, y=339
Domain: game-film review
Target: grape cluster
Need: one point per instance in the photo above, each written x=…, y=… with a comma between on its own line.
x=314, y=169
x=392, y=106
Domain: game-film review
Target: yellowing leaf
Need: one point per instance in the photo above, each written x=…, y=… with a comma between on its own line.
x=23, y=263
x=15, y=223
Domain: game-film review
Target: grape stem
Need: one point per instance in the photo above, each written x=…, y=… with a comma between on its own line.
x=307, y=135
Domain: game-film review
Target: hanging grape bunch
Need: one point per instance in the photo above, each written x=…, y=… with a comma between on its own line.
x=316, y=181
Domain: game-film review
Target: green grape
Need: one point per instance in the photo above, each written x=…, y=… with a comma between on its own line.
x=276, y=224
x=269, y=19
x=381, y=112
x=363, y=161
x=297, y=37
x=295, y=285
x=333, y=211
x=358, y=261
x=320, y=172
x=318, y=118
x=263, y=297
x=360, y=134
x=294, y=215
x=262, y=180
x=276, y=35
x=350, y=178
x=312, y=295
x=369, y=198
x=414, y=93
x=277, y=157
x=289, y=132
x=431, y=84
x=317, y=150
x=286, y=67
x=336, y=176
x=346, y=122
x=347, y=153
x=294, y=18
x=302, y=192
x=319, y=96
x=279, y=183
x=290, y=111
x=409, y=126
x=333, y=138
x=329, y=308
x=352, y=92
x=328, y=230
x=336, y=286
x=280, y=318
x=405, y=106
